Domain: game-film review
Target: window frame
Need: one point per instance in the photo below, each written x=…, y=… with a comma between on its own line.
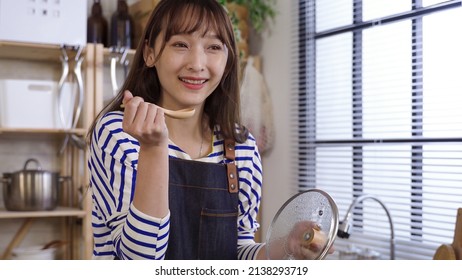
x=306, y=103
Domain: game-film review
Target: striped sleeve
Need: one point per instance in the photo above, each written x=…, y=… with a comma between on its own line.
x=120, y=230
x=250, y=182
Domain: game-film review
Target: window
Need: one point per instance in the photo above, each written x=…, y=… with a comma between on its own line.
x=379, y=102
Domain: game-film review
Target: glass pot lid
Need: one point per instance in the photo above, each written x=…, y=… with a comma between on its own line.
x=312, y=218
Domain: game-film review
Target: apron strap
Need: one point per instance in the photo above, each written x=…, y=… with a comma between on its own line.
x=231, y=168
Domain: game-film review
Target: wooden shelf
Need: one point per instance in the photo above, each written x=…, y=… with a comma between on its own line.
x=58, y=212
x=78, y=131
x=40, y=134
x=32, y=51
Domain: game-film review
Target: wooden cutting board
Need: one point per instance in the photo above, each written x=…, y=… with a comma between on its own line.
x=452, y=251
x=457, y=243
x=445, y=252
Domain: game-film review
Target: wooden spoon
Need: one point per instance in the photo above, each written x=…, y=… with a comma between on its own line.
x=178, y=114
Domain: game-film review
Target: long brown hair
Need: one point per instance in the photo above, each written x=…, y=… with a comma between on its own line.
x=171, y=17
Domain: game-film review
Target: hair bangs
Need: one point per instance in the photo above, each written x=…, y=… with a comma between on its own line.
x=191, y=18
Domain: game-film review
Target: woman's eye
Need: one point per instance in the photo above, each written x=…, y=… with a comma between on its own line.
x=216, y=47
x=180, y=45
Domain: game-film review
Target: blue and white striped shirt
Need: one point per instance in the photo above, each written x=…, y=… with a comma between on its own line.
x=120, y=229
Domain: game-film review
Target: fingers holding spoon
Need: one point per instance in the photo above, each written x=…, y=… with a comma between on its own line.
x=176, y=114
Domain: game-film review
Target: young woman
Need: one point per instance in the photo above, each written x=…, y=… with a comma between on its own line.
x=168, y=188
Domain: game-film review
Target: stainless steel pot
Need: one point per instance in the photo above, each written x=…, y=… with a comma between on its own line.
x=31, y=189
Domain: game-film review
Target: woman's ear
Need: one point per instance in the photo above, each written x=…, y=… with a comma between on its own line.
x=149, y=55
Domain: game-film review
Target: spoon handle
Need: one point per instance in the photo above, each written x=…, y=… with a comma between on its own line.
x=179, y=114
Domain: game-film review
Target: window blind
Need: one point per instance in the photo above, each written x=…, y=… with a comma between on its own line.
x=377, y=104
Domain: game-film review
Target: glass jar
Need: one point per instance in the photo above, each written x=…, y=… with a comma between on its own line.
x=97, y=25
x=121, y=27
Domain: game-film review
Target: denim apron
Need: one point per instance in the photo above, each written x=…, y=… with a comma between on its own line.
x=203, y=202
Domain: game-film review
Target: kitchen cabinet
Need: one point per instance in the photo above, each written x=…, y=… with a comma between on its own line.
x=57, y=150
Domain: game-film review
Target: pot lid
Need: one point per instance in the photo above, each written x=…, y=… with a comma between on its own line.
x=312, y=206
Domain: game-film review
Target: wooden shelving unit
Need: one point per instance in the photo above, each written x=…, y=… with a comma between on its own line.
x=75, y=213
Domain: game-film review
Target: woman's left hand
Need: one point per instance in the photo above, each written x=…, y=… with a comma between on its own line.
x=306, y=241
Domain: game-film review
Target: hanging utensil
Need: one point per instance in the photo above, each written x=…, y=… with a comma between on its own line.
x=115, y=86
x=305, y=227
x=113, y=67
x=77, y=75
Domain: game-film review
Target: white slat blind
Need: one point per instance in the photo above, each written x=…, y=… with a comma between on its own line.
x=378, y=110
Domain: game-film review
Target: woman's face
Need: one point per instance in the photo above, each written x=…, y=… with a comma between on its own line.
x=190, y=68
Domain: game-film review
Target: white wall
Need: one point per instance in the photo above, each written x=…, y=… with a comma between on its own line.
x=275, y=49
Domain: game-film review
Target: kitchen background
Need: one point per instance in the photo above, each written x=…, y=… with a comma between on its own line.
x=276, y=50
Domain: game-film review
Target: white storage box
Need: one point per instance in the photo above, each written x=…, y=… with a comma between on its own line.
x=33, y=253
x=44, y=21
x=34, y=104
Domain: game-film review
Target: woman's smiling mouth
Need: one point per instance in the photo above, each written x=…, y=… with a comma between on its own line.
x=193, y=81
x=194, y=84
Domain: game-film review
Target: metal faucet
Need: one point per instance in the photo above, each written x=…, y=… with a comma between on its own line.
x=344, y=225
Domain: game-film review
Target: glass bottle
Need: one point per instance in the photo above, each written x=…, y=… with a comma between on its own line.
x=121, y=27
x=97, y=27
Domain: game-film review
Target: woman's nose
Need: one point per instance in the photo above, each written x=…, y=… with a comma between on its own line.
x=196, y=60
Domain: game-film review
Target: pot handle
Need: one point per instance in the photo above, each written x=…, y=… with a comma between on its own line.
x=64, y=178
x=5, y=180
x=39, y=167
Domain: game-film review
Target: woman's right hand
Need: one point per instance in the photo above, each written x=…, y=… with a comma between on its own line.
x=144, y=121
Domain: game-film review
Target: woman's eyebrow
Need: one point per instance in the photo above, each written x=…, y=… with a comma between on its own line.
x=213, y=36
x=207, y=35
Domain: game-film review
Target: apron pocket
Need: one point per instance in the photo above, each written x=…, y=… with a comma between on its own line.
x=218, y=234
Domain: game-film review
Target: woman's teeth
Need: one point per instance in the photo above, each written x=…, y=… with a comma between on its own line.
x=195, y=82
